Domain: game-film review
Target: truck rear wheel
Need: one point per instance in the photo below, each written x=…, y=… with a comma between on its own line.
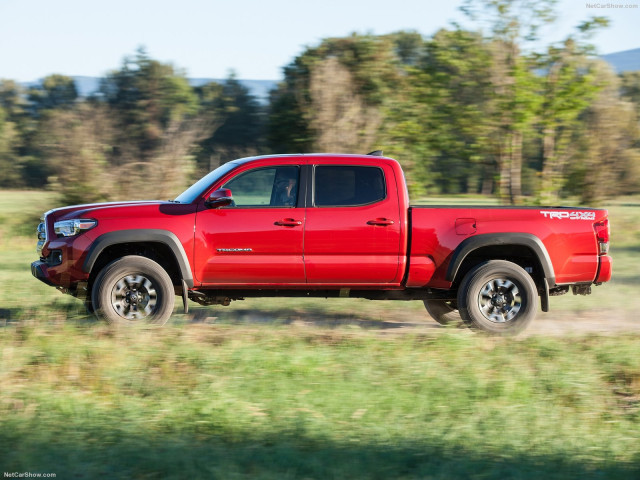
x=133, y=290
x=498, y=297
x=445, y=312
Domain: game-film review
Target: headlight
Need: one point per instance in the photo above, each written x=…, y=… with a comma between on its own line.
x=69, y=228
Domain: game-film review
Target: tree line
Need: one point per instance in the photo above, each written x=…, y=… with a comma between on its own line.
x=483, y=110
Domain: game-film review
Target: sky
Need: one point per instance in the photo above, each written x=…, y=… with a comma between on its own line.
x=253, y=38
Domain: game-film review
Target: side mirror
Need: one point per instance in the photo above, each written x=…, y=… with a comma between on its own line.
x=220, y=198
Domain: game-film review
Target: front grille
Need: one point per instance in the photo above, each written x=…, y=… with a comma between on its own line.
x=42, y=235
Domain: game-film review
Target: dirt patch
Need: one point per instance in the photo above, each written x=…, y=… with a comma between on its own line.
x=569, y=323
x=407, y=321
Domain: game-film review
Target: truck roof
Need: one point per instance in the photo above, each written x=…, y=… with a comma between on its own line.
x=244, y=160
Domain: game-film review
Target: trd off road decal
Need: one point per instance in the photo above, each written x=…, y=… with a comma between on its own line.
x=569, y=215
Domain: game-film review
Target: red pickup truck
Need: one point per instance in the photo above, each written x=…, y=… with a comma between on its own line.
x=320, y=225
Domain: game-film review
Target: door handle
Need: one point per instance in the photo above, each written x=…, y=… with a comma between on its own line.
x=288, y=222
x=383, y=222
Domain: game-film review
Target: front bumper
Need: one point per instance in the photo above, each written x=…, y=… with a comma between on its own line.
x=60, y=263
x=39, y=270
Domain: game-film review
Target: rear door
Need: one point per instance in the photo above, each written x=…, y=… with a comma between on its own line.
x=353, y=230
x=258, y=239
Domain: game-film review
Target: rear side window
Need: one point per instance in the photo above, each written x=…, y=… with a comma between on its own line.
x=348, y=186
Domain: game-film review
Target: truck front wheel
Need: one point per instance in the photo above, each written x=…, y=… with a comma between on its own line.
x=133, y=289
x=498, y=297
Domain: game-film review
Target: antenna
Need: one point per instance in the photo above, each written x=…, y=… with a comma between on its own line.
x=375, y=153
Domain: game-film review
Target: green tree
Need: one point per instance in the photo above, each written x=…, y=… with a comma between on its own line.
x=607, y=162
x=287, y=128
x=12, y=99
x=441, y=122
x=9, y=171
x=158, y=124
x=147, y=97
x=512, y=25
x=368, y=72
x=55, y=92
x=239, y=122
x=568, y=88
x=11, y=117
x=22, y=164
x=630, y=88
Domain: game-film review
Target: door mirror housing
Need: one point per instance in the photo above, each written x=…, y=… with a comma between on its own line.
x=220, y=198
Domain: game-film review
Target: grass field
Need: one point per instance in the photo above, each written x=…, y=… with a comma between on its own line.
x=220, y=401
x=259, y=392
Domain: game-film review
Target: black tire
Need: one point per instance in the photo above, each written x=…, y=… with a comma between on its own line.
x=88, y=306
x=445, y=312
x=498, y=297
x=133, y=290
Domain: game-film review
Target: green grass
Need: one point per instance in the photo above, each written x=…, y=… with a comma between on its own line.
x=208, y=401
x=290, y=388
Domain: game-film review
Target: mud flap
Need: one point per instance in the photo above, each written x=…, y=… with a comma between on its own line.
x=544, y=298
x=185, y=297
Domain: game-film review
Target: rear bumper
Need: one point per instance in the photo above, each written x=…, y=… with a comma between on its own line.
x=39, y=270
x=605, y=269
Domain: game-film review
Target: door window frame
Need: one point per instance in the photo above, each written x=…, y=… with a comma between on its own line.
x=311, y=200
x=300, y=188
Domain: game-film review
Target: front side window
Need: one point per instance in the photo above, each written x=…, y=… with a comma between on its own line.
x=344, y=185
x=266, y=187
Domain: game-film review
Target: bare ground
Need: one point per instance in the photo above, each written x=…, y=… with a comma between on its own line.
x=405, y=321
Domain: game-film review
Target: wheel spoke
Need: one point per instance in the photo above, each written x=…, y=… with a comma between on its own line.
x=149, y=308
x=495, y=316
x=512, y=288
x=487, y=290
x=121, y=285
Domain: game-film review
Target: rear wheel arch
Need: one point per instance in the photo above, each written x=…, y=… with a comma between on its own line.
x=523, y=249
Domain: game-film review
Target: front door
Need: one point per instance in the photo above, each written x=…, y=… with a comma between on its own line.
x=258, y=239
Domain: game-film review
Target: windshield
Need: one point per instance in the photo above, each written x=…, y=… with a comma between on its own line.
x=198, y=188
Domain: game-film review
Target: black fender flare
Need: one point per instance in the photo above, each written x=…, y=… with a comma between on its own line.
x=496, y=239
x=141, y=236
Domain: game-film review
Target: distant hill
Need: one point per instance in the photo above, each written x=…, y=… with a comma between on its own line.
x=626, y=61
x=259, y=88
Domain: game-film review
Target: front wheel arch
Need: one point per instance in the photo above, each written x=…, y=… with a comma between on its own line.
x=162, y=246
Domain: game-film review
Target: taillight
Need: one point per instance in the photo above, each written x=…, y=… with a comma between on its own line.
x=602, y=235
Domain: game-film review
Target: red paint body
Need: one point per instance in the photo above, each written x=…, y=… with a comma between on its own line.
x=331, y=247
